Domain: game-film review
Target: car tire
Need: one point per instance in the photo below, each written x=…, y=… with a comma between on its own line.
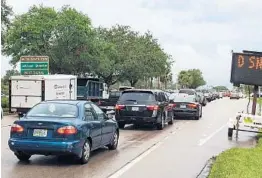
x=121, y=125
x=171, y=122
x=230, y=132
x=86, y=151
x=114, y=143
x=161, y=125
x=22, y=156
x=201, y=113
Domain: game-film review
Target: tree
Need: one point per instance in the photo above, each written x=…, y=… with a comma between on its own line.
x=198, y=79
x=8, y=74
x=191, y=78
x=71, y=46
x=184, y=79
x=6, y=12
x=220, y=88
x=65, y=36
x=30, y=33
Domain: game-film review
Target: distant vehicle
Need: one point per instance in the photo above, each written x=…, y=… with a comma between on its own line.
x=109, y=104
x=63, y=127
x=190, y=92
x=220, y=95
x=142, y=106
x=234, y=95
x=28, y=90
x=203, y=100
x=185, y=105
x=123, y=88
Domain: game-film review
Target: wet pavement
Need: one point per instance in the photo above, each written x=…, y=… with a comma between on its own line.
x=180, y=150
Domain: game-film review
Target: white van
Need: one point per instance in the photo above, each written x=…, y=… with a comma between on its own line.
x=25, y=91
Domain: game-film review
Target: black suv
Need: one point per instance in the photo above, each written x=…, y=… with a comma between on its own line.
x=141, y=106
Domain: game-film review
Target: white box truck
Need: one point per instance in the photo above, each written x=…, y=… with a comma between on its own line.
x=25, y=91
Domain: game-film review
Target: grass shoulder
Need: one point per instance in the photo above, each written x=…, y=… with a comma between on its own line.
x=239, y=163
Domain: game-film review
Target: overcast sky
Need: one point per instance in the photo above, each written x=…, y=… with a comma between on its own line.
x=198, y=33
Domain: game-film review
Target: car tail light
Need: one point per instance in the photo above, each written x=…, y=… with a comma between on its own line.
x=192, y=106
x=119, y=107
x=67, y=130
x=174, y=105
x=17, y=128
x=152, y=107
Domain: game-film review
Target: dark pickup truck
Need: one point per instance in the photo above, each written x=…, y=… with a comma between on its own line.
x=109, y=104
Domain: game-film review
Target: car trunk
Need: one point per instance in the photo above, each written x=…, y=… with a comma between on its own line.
x=184, y=106
x=136, y=104
x=42, y=129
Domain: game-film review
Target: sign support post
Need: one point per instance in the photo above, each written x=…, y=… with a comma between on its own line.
x=254, y=106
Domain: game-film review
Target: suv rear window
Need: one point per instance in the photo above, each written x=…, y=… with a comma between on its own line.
x=189, y=92
x=137, y=96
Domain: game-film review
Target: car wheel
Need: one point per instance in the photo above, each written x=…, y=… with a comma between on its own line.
x=230, y=132
x=22, y=156
x=171, y=122
x=114, y=142
x=161, y=125
x=121, y=125
x=86, y=151
x=201, y=113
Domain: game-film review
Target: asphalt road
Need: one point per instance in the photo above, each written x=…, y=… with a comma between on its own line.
x=180, y=150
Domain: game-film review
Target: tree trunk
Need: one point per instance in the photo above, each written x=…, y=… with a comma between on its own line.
x=133, y=82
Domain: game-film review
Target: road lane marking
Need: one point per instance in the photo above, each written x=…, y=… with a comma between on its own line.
x=131, y=163
x=203, y=141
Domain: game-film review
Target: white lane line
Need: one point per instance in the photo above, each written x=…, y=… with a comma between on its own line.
x=130, y=164
x=203, y=141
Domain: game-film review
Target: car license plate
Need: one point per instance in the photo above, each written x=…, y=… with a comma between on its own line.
x=135, y=108
x=182, y=106
x=40, y=133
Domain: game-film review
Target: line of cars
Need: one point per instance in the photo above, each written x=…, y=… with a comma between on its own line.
x=73, y=127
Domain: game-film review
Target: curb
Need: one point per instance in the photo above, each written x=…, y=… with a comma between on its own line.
x=204, y=173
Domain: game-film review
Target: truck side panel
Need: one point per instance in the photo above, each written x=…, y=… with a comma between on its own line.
x=25, y=93
x=57, y=89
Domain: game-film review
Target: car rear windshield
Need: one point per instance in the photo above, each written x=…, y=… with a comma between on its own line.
x=183, y=98
x=137, y=96
x=62, y=110
x=189, y=92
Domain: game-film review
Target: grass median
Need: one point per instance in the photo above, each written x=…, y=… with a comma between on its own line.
x=239, y=163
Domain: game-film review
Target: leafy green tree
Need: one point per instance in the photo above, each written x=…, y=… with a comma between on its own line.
x=192, y=78
x=184, y=79
x=30, y=33
x=71, y=46
x=198, y=79
x=220, y=88
x=6, y=13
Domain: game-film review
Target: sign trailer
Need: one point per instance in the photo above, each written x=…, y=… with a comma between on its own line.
x=34, y=65
x=246, y=69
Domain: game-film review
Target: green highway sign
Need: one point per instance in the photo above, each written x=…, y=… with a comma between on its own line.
x=34, y=65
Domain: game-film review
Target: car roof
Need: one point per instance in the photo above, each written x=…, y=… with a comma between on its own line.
x=145, y=90
x=66, y=101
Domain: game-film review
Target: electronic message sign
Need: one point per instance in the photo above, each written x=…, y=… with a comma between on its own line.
x=246, y=69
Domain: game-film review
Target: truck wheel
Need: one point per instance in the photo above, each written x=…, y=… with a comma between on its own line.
x=121, y=125
x=230, y=132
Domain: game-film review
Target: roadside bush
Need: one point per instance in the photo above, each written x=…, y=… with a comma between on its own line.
x=4, y=102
